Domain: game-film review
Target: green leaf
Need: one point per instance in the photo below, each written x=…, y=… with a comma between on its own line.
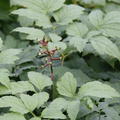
x=12, y=116
x=35, y=118
x=32, y=33
x=53, y=111
x=1, y=43
x=30, y=102
x=73, y=109
x=15, y=104
x=57, y=45
x=117, y=1
x=67, y=14
x=67, y=85
x=78, y=42
x=9, y=56
x=4, y=90
x=96, y=18
x=21, y=86
x=4, y=79
x=97, y=89
x=39, y=80
x=77, y=29
x=104, y=46
x=34, y=101
x=108, y=24
x=93, y=2
x=41, y=19
x=54, y=37
x=42, y=98
x=42, y=6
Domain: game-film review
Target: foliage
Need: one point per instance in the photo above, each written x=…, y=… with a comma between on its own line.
x=59, y=59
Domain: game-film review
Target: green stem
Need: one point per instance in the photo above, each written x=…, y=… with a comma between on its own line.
x=33, y=114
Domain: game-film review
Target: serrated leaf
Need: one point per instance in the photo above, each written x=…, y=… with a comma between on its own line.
x=41, y=19
x=57, y=45
x=108, y=24
x=54, y=37
x=78, y=42
x=73, y=109
x=77, y=29
x=54, y=109
x=9, y=56
x=97, y=89
x=12, y=116
x=42, y=6
x=32, y=33
x=39, y=80
x=67, y=14
x=67, y=85
x=21, y=86
x=96, y=18
x=14, y=103
x=104, y=46
x=4, y=78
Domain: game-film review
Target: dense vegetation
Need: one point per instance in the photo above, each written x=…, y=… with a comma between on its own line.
x=59, y=59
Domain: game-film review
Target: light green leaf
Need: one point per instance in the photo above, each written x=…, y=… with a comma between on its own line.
x=42, y=98
x=78, y=42
x=54, y=37
x=9, y=56
x=35, y=118
x=108, y=24
x=4, y=78
x=30, y=102
x=1, y=43
x=97, y=89
x=4, y=90
x=21, y=86
x=96, y=18
x=54, y=109
x=12, y=116
x=67, y=14
x=117, y=1
x=34, y=101
x=77, y=29
x=104, y=46
x=42, y=6
x=93, y=2
x=10, y=42
x=73, y=109
x=15, y=104
x=25, y=21
x=111, y=26
x=52, y=113
x=41, y=19
x=57, y=45
x=39, y=80
x=67, y=85
x=59, y=103
x=32, y=33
